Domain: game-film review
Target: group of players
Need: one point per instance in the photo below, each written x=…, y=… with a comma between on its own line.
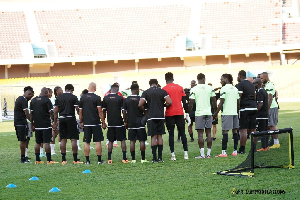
x=245, y=107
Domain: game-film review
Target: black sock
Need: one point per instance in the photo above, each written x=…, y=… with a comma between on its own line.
x=192, y=136
x=109, y=155
x=22, y=158
x=242, y=148
x=154, y=152
x=160, y=149
x=75, y=157
x=48, y=156
x=235, y=141
x=143, y=155
x=124, y=155
x=132, y=155
x=63, y=155
x=87, y=158
x=99, y=158
x=224, y=141
x=37, y=157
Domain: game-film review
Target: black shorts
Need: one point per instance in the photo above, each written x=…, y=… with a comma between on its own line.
x=68, y=128
x=116, y=133
x=261, y=125
x=43, y=135
x=156, y=127
x=95, y=131
x=178, y=120
x=215, y=121
x=248, y=119
x=192, y=119
x=21, y=132
x=137, y=134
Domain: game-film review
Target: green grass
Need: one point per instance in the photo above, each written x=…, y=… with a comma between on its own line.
x=191, y=179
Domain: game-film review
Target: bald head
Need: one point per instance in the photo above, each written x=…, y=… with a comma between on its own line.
x=250, y=79
x=92, y=87
x=44, y=92
x=257, y=83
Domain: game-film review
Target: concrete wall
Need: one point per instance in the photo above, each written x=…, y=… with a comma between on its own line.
x=67, y=69
x=18, y=71
x=110, y=66
x=2, y=71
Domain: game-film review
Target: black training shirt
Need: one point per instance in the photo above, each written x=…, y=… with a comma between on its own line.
x=248, y=95
x=262, y=96
x=66, y=103
x=113, y=103
x=41, y=107
x=155, y=98
x=21, y=104
x=134, y=114
x=89, y=103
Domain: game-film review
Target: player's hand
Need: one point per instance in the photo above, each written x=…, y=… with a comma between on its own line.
x=126, y=125
x=188, y=119
x=54, y=126
x=82, y=125
x=104, y=125
x=215, y=116
x=32, y=128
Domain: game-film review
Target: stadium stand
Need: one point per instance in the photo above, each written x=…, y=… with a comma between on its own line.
x=291, y=32
x=287, y=3
x=105, y=31
x=241, y=22
x=13, y=31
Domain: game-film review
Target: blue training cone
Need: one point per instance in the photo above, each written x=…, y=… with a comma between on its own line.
x=55, y=189
x=87, y=171
x=11, y=185
x=34, y=178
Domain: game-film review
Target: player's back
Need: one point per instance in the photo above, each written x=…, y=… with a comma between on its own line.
x=262, y=96
x=41, y=107
x=89, y=103
x=176, y=93
x=134, y=114
x=21, y=103
x=248, y=93
x=113, y=103
x=66, y=103
x=155, y=98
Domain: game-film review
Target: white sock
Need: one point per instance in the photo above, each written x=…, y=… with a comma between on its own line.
x=41, y=150
x=202, y=152
x=224, y=152
x=52, y=147
x=173, y=154
x=185, y=153
x=208, y=151
x=276, y=141
x=116, y=142
x=78, y=143
x=26, y=149
x=235, y=151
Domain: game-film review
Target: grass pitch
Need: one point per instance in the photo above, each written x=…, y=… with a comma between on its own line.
x=182, y=179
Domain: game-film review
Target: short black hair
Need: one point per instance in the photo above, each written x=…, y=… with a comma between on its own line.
x=134, y=82
x=55, y=90
x=50, y=90
x=242, y=73
x=169, y=76
x=28, y=88
x=159, y=86
x=85, y=91
x=114, y=85
x=200, y=76
x=134, y=86
x=229, y=77
x=69, y=87
x=153, y=81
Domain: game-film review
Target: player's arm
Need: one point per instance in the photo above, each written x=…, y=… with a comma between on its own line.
x=270, y=99
x=81, y=118
x=31, y=121
x=168, y=101
x=191, y=102
x=141, y=104
x=222, y=100
x=214, y=102
x=55, y=111
x=238, y=105
x=101, y=115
